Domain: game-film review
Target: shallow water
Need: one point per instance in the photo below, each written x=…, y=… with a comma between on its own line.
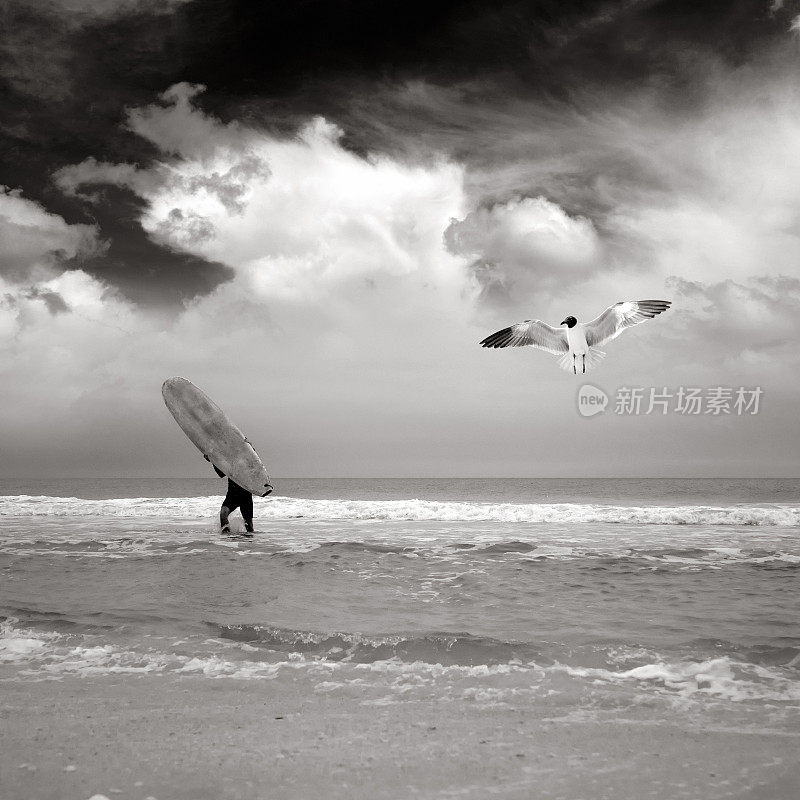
x=630, y=593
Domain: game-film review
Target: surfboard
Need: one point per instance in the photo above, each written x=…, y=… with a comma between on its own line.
x=214, y=435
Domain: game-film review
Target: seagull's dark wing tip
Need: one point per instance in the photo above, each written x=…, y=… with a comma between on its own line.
x=499, y=339
x=652, y=307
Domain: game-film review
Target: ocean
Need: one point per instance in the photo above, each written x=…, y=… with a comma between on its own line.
x=643, y=602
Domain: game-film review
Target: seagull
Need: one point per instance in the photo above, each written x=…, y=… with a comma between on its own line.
x=578, y=343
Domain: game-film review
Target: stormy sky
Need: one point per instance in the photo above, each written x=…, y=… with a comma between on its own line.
x=316, y=210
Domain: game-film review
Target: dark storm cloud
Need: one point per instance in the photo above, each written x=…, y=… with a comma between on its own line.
x=139, y=267
x=62, y=102
x=71, y=69
x=243, y=49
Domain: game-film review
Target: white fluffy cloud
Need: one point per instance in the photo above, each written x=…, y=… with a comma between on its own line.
x=526, y=246
x=723, y=196
x=347, y=339
x=346, y=312
x=293, y=217
x=42, y=306
x=36, y=242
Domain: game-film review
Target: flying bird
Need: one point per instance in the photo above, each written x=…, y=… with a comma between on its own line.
x=578, y=343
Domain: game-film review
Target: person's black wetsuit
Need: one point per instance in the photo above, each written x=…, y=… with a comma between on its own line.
x=237, y=497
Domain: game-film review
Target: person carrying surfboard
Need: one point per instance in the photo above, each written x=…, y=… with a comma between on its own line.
x=208, y=428
x=236, y=497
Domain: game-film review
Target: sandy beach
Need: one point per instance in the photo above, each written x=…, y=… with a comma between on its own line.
x=184, y=738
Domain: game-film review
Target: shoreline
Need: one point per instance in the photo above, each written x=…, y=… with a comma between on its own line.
x=197, y=738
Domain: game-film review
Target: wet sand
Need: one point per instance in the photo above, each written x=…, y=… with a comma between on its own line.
x=192, y=738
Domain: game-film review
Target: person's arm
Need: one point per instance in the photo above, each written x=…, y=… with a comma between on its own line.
x=219, y=472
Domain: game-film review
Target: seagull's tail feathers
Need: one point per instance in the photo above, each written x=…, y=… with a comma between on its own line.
x=565, y=362
x=593, y=358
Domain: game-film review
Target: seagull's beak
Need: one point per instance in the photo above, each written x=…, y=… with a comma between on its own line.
x=563, y=322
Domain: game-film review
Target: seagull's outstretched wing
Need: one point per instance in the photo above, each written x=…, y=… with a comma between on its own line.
x=624, y=314
x=533, y=333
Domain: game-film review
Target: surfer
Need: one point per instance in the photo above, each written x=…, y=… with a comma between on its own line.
x=236, y=497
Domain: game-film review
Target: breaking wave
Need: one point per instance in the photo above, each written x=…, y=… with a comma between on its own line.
x=442, y=648
x=721, y=677
x=345, y=660
x=286, y=508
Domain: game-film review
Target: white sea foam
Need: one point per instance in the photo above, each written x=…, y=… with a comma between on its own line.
x=721, y=677
x=47, y=655
x=286, y=508
x=43, y=655
x=19, y=648
x=22, y=645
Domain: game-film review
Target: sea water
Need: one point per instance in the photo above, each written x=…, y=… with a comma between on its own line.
x=679, y=596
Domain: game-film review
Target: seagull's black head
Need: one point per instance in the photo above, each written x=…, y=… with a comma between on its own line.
x=570, y=322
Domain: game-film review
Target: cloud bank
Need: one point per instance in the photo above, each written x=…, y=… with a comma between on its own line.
x=360, y=256
x=37, y=244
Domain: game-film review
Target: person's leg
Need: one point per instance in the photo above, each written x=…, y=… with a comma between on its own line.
x=247, y=512
x=229, y=505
